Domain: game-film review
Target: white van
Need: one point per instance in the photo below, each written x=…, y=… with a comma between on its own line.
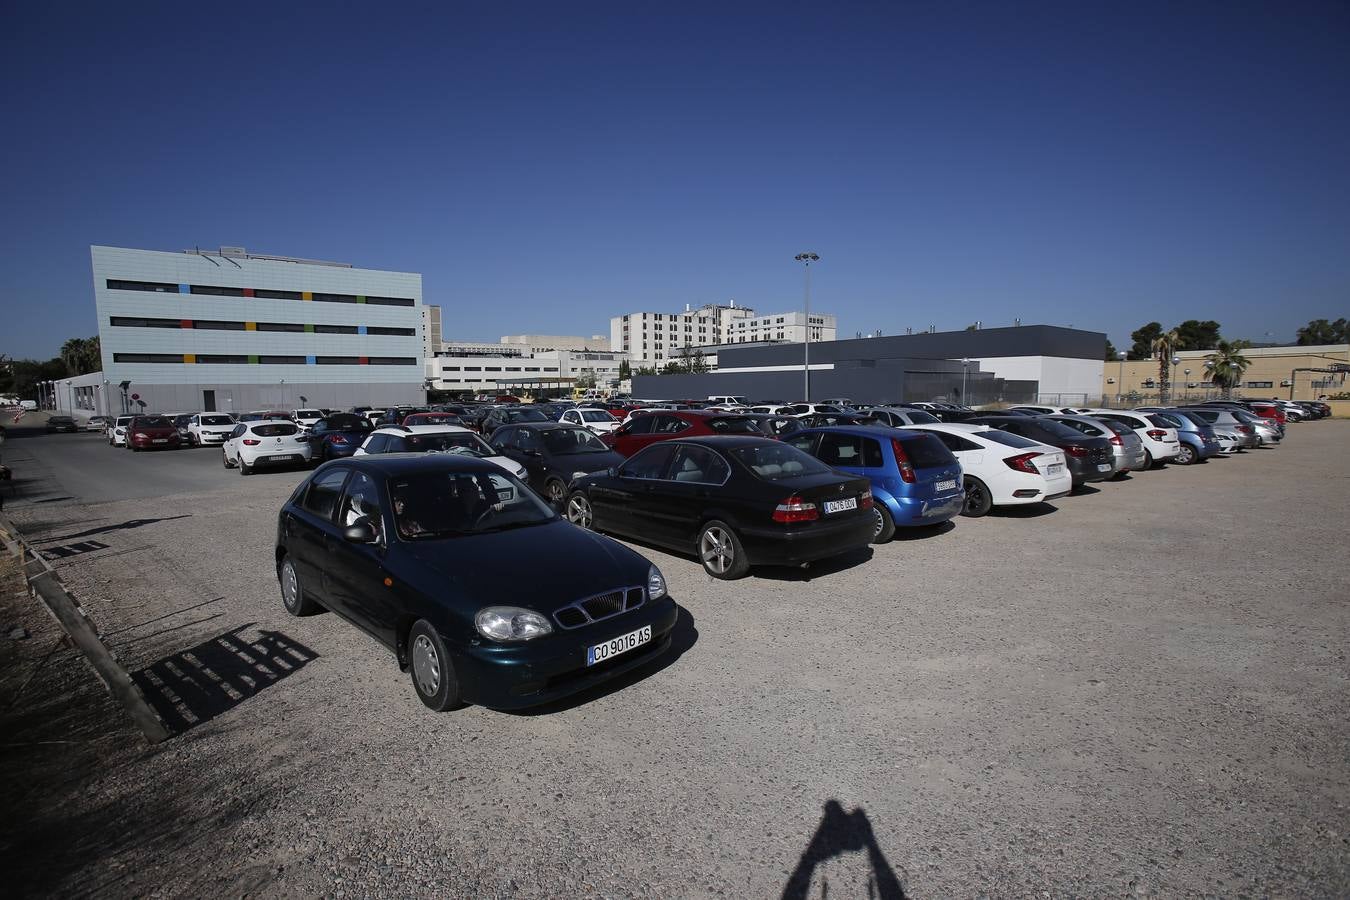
x=28, y=404
x=729, y=400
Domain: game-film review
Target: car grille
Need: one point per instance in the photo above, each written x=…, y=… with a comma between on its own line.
x=599, y=607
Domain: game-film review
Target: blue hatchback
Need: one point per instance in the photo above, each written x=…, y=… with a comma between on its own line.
x=1196, y=436
x=915, y=479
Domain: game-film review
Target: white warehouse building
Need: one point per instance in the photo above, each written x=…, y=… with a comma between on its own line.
x=233, y=331
x=653, y=339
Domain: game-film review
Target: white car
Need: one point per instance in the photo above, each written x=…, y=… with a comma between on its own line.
x=1160, y=439
x=209, y=429
x=773, y=409
x=434, y=439
x=1002, y=469
x=811, y=409
x=117, y=433
x=265, y=443
x=306, y=417
x=597, y=420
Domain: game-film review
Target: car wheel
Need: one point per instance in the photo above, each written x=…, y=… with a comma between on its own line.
x=433, y=675
x=224, y=459
x=978, y=499
x=555, y=492
x=579, y=510
x=244, y=468
x=293, y=596
x=721, y=552
x=883, y=526
x=1149, y=461
x=1187, y=455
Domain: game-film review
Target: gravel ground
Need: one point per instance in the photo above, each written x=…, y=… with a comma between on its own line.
x=1142, y=689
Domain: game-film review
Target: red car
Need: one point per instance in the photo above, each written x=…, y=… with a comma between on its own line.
x=664, y=424
x=152, y=433
x=1269, y=411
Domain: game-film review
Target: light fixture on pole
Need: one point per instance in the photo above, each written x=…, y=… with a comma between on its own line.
x=1187, y=373
x=965, y=367
x=1171, y=388
x=806, y=259
x=1120, y=382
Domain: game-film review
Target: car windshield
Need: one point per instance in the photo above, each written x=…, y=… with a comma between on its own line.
x=124, y=420
x=152, y=422
x=525, y=415
x=562, y=441
x=348, y=422
x=275, y=430
x=217, y=420
x=462, y=442
x=596, y=415
x=1007, y=438
x=454, y=504
x=734, y=425
x=775, y=461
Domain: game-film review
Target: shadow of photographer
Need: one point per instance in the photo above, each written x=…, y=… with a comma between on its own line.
x=841, y=833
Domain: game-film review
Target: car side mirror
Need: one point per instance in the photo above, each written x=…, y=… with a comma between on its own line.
x=362, y=531
x=612, y=471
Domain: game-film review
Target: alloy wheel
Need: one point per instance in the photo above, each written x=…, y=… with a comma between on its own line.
x=579, y=511
x=426, y=665
x=290, y=585
x=715, y=549
x=556, y=493
x=878, y=523
x=974, y=497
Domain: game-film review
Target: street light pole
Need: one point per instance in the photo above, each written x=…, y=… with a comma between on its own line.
x=1171, y=393
x=965, y=367
x=1120, y=382
x=1187, y=373
x=806, y=259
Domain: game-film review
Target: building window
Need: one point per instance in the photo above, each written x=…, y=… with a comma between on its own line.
x=280, y=326
x=335, y=329
x=1260, y=384
x=334, y=298
x=222, y=359
x=473, y=368
x=386, y=301
x=262, y=294
x=158, y=287
x=400, y=332
x=148, y=357
x=531, y=368
x=215, y=325
x=391, y=361
x=214, y=291
x=337, y=360
x=513, y=368
x=129, y=322
x=281, y=360
x=449, y=368
x=492, y=368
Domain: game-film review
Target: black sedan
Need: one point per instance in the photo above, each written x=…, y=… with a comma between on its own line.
x=1088, y=458
x=554, y=455
x=733, y=501
x=337, y=436
x=410, y=549
x=57, y=424
x=509, y=415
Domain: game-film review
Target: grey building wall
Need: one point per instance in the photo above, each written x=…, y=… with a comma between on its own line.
x=238, y=398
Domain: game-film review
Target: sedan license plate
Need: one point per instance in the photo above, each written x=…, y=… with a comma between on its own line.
x=948, y=485
x=1103, y=467
x=1054, y=469
x=621, y=644
x=834, y=506
x=159, y=440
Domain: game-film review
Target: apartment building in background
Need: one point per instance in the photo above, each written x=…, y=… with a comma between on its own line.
x=233, y=331
x=653, y=339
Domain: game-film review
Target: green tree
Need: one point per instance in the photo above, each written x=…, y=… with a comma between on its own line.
x=1110, y=351
x=80, y=356
x=1164, y=345
x=698, y=364
x=1322, y=331
x=625, y=370
x=1196, y=335
x=1226, y=365
x=1143, y=340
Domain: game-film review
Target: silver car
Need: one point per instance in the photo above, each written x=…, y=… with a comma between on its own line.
x=897, y=417
x=1267, y=435
x=1224, y=422
x=1127, y=448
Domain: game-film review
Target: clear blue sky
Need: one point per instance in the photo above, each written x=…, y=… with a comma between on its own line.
x=547, y=165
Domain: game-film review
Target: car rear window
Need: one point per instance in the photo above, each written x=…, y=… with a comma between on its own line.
x=452, y=442
x=1007, y=438
x=776, y=461
x=1055, y=429
x=734, y=425
x=279, y=429
x=1160, y=421
x=1208, y=415
x=925, y=451
x=348, y=422
x=152, y=422
x=217, y=420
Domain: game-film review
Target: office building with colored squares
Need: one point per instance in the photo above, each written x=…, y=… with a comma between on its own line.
x=233, y=331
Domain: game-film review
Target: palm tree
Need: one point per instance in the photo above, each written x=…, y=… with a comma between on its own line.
x=1226, y=365
x=1162, y=346
x=72, y=354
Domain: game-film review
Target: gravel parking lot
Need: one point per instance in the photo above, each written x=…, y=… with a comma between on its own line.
x=1139, y=689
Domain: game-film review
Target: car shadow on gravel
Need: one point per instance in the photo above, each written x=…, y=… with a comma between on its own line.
x=195, y=685
x=1024, y=511
x=818, y=569
x=121, y=526
x=682, y=637
x=840, y=833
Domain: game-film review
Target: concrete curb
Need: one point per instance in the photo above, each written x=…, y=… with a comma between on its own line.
x=45, y=585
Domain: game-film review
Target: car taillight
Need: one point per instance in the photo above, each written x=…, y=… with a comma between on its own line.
x=1244, y=429
x=1115, y=439
x=1156, y=433
x=1076, y=450
x=251, y=442
x=865, y=501
x=902, y=460
x=795, y=509
x=337, y=439
x=1022, y=463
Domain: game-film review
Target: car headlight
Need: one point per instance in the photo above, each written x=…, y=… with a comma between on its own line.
x=140, y=436
x=656, y=584
x=576, y=475
x=511, y=623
